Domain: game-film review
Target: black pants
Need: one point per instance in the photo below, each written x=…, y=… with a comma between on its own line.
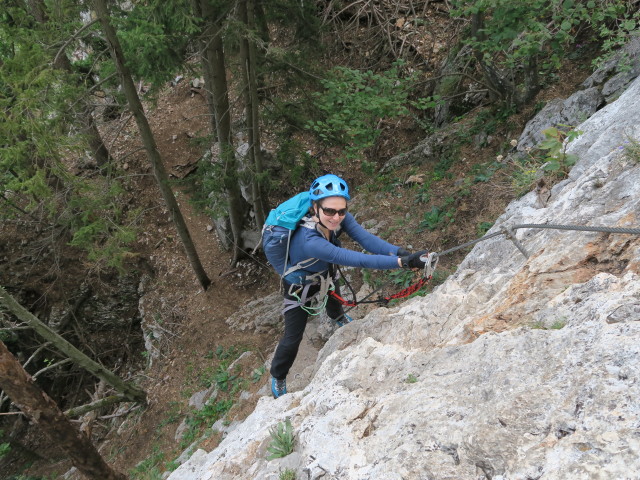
x=295, y=321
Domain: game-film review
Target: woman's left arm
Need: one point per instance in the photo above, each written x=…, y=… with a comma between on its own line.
x=368, y=241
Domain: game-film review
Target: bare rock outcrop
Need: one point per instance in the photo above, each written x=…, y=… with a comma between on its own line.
x=514, y=368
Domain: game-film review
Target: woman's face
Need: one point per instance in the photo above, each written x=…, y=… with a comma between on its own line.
x=335, y=205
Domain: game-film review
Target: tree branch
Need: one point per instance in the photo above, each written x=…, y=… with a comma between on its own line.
x=89, y=407
x=71, y=39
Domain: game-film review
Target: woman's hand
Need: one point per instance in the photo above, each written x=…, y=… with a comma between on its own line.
x=413, y=260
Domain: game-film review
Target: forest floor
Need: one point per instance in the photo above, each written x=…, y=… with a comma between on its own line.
x=196, y=320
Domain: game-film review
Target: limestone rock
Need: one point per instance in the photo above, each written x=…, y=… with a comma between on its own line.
x=571, y=111
x=513, y=368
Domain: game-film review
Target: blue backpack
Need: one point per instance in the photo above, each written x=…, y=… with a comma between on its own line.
x=278, y=228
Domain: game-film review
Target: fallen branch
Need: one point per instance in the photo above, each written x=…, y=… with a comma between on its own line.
x=89, y=407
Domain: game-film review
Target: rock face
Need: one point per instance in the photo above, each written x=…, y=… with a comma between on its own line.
x=603, y=86
x=514, y=368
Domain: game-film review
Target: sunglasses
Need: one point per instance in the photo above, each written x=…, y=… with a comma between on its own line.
x=330, y=212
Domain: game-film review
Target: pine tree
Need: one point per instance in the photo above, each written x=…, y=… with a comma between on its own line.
x=149, y=142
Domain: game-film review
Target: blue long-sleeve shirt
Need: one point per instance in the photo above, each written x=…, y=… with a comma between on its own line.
x=309, y=243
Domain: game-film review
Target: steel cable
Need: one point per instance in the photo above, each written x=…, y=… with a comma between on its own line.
x=632, y=231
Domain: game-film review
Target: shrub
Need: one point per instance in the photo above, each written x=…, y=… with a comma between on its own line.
x=353, y=103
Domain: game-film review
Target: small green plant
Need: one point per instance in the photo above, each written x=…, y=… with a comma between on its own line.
x=287, y=474
x=401, y=278
x=172, y=465
x=540, y=325
x=223, y=379
x=411, y=378
x=372, y=278
x=631, y=149
x=282, y=440
x=257, y=374
x=550, y=159
x=485, y=172
x=206, y=416
x=148, y=469
x=423, y=196
x=483, y=227
x=437, y=217
x=173, y=414
x=556, y=158
x=5, y=448
x=441, y=169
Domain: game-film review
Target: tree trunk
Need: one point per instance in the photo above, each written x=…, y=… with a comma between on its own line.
x=214, y=61
x=43, y=411
x=88, y=126
x=499, y=87
x=149, y=143
x=129, y=391
x=249, y=66
x=531, y=81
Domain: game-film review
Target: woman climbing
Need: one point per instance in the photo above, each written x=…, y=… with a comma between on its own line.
x=314, y=249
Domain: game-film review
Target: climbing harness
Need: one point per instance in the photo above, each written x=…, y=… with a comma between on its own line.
x=312, y=304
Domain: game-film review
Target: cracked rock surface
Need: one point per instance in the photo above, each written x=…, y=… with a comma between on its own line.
x=513, y=368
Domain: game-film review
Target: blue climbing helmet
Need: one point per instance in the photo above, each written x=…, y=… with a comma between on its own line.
x=328, y=186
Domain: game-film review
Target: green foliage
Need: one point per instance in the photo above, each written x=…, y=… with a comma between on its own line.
x=150, y=468
x=39, y=134
x=155, y=37
x=631, y=150
x=282, y=440
x=411, y=378
x=300, y=16
x=173, y=414
x=297, y=162
x=211, y=412
x=257, y=374
x=423, y=196
x=483, y=227
x=205, y=417
x=485, y=172
x=520, y=44
x=540, y=325
x=556, y=159
x=370, y=278
x=287, y=474
x=437, y=217
x=98, y=225
x=353, y=103
x=228, y=382
x=441, y=169
x=5, y=448
x=219, y=374
x=550, y=158
x=401, y=277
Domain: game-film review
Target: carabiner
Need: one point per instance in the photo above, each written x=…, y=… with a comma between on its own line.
x=430, y=263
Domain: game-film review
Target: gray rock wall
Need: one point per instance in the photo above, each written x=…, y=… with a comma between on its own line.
x=514, y=368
